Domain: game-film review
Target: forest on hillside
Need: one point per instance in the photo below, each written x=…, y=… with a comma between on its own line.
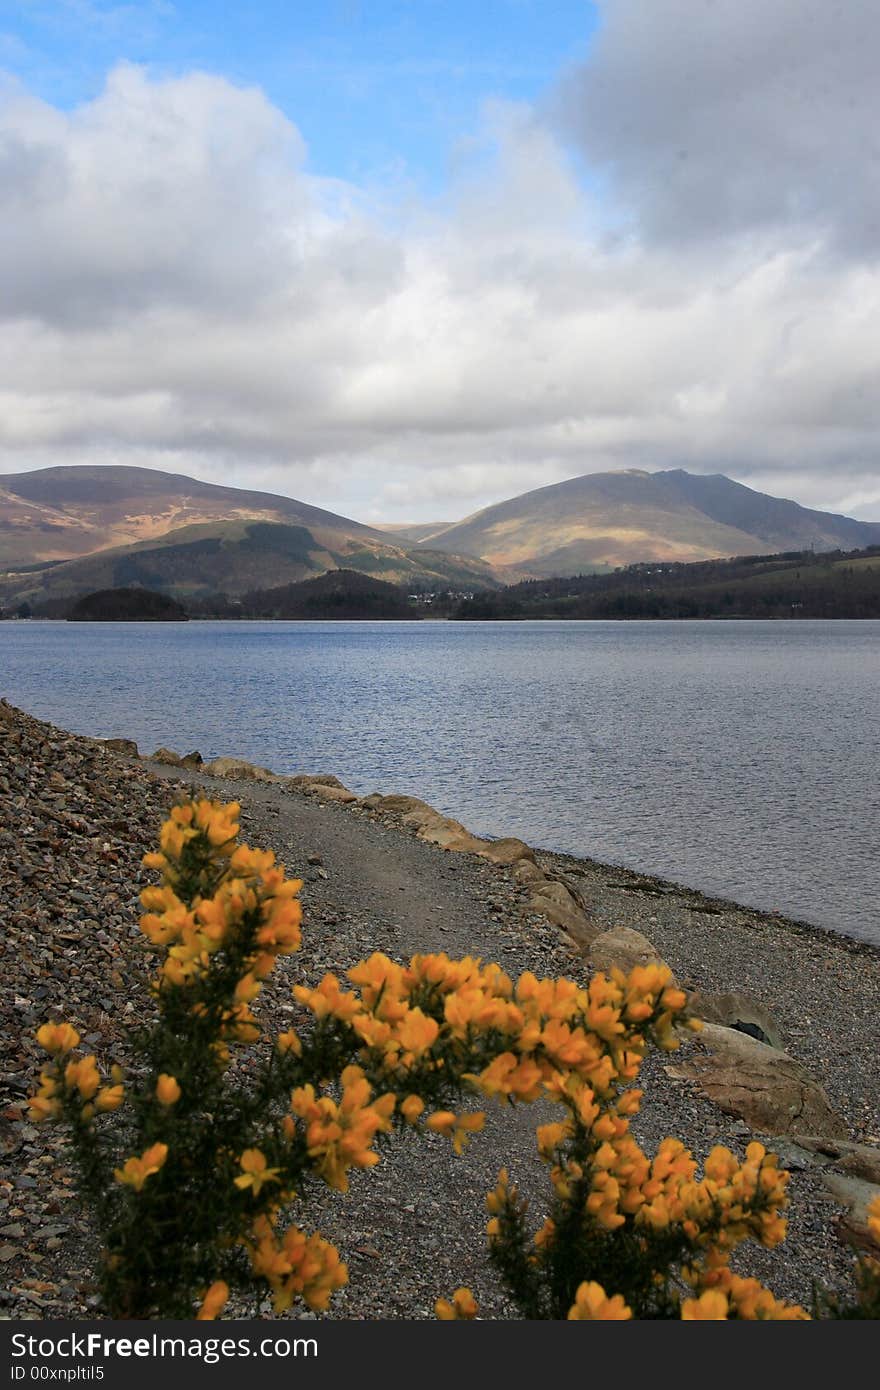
x=798, y=584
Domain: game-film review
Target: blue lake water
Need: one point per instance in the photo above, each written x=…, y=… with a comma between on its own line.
x=739, y=758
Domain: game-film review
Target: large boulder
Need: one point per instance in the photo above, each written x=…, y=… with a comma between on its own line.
x=622, y=948
x=168, y=757
x=305, y=781
x=740, y=1012
x=397, y=806
x=239, y=770
x=555, y=902
x=857, y=1196
x=441, y=830
x=846, y=1156
x=527, y=872
x=507, y=851
x=322, y=792
x=772, y=1092
x=124, y=746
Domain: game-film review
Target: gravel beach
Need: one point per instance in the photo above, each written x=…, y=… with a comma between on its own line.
x=75, y=819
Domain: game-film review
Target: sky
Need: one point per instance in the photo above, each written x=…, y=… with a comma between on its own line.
x=404, y=259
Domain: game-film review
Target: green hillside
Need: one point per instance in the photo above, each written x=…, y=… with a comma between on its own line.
x=235, y=557
x=798, y=584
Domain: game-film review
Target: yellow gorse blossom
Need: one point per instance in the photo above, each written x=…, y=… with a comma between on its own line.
x=167, y=1089
x=214, y=1302
x=295, y=1265
x=135, y=1171
x=83, y=1076
x=463, y=1307
x=57, y=1038
x=339, y=1135
x=874, y=1219
x=110, y=1098
x=242, y=894
x=255, y=1174
x=592, y=1304
x=711, y=1306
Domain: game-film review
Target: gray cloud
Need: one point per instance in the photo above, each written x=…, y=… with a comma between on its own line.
x=732, y=118
x=178, y=290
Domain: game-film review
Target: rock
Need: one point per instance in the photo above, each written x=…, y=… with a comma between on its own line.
x=302, y=781
x=772, y=1092
x=396, y=805
x=623, y=948
x=441, y=830
x=193, y=759
x=327, y=793
x=527, y=871
x=166, y=756
x=556, y=903
x=740, y=1012
x=856, y=1195
x=507, y=851
x=238, y=769
x=856, y=1160
x=314, y=859
x=126, y=746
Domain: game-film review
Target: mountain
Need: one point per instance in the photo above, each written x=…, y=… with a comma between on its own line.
x=234, y=540
x=71, y=530
x=63, y=513
x=604, y=520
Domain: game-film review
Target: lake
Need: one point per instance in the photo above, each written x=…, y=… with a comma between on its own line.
x=740, y=758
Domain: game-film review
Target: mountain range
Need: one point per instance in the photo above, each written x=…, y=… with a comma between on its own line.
x=68, y=530
x=602, y=521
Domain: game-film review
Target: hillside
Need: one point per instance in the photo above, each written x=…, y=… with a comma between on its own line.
x=126, y=606
x=234, y=557
x=793, y=585
x=605, y=520
x=337, y=594
x=63, y=513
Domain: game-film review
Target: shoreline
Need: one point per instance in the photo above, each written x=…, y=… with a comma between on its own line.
x=78, y=813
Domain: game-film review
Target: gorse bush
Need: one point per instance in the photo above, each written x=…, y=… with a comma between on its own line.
x=189, y=1163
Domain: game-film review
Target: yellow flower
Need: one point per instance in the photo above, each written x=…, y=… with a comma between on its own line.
x=463, y=1307
x=465, y=1126
x=214, y=1301
x=411, y=1109
x=874, y=1219
x=592, y=1304
x=167, y=1089
x=255, y=1174
x=110, y=1098
x=83, y=1076
x=290, y=1042
x=442, y=1122
x=42, y=1107
x=137, y=1170
x=57, y=1038
x=711, y=1306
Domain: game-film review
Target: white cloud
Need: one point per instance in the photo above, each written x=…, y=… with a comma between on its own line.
x=177, y=289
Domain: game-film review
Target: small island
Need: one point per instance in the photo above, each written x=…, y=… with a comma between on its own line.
x=127, y=606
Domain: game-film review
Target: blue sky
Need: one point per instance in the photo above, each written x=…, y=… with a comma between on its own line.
x=383, y=90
